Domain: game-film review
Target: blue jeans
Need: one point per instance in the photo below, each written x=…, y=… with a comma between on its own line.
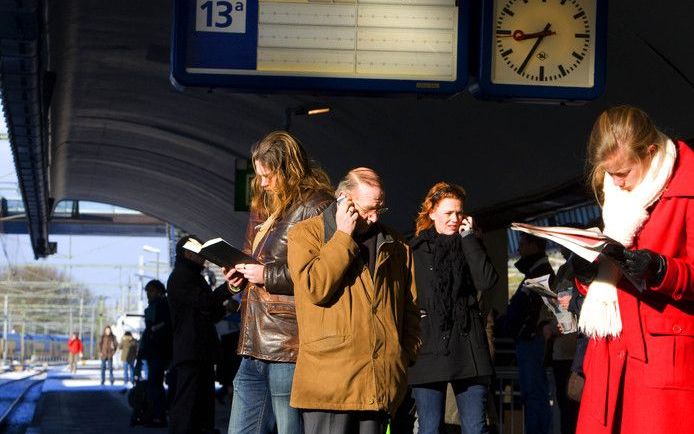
x=128, y=372
x=530, y=355
x=261, y=399
x=104, y=363
x=471, y=398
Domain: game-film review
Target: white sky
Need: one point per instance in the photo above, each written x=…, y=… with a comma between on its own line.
x=103, y=264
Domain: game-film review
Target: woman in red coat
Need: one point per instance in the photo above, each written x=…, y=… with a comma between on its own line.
x=639, y=365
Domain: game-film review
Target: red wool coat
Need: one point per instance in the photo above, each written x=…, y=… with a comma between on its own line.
x=647, y=374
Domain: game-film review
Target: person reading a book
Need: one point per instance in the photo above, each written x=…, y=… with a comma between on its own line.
x=639, y=364
x=288, y=188
x=195, y=309
x=451, y=267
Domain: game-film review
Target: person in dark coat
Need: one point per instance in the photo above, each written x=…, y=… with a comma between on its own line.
x=195, y=309
x=451, y=266
x=107, y=348
x=155, y=348
x=525, y=319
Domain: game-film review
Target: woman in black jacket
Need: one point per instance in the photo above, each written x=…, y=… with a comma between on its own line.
x=451, y=267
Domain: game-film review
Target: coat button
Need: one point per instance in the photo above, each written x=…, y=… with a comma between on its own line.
x=431, y=268
x=371, y=400
x=677, y=329
x=374, y=309
x=375, y=355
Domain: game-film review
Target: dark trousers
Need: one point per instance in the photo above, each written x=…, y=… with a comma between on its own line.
x=193, y=406
x=568, y=409
x=349, y=422
x=156, y=396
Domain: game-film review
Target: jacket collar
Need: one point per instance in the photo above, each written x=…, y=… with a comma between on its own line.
x=682, y=182
x=330, y=226
x=426, y=236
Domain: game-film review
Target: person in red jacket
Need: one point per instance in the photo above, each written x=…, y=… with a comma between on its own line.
x=74, y=346
x=639, y=365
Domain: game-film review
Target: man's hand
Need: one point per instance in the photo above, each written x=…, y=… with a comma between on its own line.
x=346, y=216
x=564, y=299
x=232, y=276
x=254, y=273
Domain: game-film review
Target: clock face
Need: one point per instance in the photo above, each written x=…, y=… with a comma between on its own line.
x=544, y=42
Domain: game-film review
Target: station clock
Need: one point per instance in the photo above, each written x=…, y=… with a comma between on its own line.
x=542, y=49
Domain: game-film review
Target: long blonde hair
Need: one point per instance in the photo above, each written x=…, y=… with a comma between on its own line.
x=621, y=126
x=440, y=190
x=297, y=177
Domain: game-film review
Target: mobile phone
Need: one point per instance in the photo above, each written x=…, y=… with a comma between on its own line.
x=341, y=199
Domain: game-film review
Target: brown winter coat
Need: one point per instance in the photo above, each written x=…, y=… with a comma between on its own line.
x=107, y=346
x=357, y=334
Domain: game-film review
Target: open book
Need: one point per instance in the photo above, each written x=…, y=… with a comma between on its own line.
x=586, y=243
x=540, y=285
x=220, y=252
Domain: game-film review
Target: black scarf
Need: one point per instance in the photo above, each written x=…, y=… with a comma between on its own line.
x=448, y=305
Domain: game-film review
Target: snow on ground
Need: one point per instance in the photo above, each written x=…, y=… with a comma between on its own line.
x=87, y=378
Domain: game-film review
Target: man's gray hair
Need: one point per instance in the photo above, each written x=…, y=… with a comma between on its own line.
x=359, y=175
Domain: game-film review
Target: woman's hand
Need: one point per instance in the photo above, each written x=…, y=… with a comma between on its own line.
x=255, y=273
x=467, y=226
x=232, y=276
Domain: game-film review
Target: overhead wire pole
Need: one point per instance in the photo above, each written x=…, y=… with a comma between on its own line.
x=81, y=314
x=5, y=324
x=91, y=333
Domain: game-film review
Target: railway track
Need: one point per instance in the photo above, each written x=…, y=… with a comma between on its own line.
x=12, y=394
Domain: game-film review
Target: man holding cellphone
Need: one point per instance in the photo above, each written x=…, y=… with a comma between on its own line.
x=356, y=309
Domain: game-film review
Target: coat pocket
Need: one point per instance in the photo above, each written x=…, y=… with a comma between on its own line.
x=670, y=352
x=328, y=344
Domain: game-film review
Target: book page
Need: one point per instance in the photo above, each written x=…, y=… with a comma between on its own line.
x=192, y=245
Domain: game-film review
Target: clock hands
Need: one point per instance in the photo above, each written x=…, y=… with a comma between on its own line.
x=541, y=36
x=518, y=35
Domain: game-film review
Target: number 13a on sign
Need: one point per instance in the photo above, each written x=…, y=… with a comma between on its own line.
x=227, y=16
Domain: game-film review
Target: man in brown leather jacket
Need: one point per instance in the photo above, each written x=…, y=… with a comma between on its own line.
x=287, y=188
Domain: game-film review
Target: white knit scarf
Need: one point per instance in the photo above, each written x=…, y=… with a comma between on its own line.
x=624, y=214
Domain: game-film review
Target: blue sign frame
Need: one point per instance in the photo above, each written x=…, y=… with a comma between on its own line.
x=191, y=50
x=483, y=87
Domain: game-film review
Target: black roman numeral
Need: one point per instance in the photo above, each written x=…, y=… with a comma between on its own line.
x=576, y=55
x=508, y=11
x=579, y=15
x=542, y=73
x=582, y=35
x=503, y=32
x=507, y=52
x=562, y=70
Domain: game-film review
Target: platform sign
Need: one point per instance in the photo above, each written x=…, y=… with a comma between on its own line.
x=381, y=46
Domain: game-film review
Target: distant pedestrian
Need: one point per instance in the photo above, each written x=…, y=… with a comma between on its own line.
x=107, y=348
x=156, y=348
x=526, y=317
x=128, y=354
x=228, y=361
x=74, y=346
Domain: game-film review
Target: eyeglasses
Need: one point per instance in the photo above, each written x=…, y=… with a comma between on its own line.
x=368, y=212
